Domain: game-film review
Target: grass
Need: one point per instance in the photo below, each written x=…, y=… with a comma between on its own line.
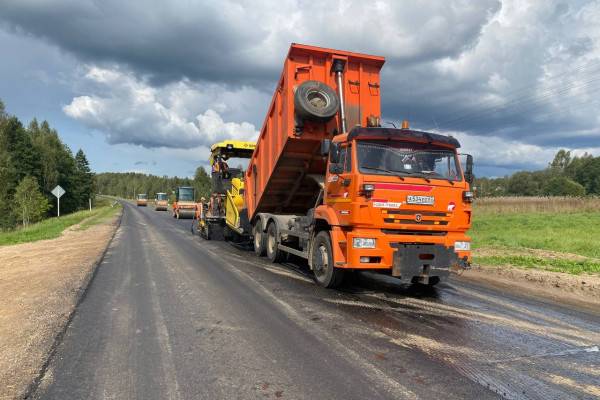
x=563, y=231
x=52, y=227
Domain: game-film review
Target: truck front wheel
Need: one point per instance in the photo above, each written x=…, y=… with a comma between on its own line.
x=326, y=274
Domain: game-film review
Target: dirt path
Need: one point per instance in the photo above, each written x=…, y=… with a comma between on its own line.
x=39, y=286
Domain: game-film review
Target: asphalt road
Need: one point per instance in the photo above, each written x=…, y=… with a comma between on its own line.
x=171, y=316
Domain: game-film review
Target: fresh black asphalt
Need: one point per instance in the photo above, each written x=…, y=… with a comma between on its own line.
x=172, y=316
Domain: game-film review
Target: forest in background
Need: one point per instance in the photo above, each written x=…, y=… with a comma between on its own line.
x=129, y=184
x=566, y=175
x=33, y=160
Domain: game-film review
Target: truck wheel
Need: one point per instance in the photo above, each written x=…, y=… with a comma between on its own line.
x=273, y=253
x=326, y=274
x=315, y=101
x=260, y=239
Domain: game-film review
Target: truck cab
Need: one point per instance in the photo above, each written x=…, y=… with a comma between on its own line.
x=398, y=200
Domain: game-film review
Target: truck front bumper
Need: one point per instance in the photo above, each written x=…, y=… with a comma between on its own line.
x=422, y=258
x=423, y=263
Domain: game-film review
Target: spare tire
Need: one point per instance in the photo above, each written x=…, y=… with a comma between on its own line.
x=316, y=101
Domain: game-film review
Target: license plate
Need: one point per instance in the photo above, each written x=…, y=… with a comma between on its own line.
x=422, y=200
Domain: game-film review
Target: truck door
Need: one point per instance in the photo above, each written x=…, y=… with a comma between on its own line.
x=338, y=186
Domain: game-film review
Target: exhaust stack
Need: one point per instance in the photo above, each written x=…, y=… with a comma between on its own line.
x=338, y=68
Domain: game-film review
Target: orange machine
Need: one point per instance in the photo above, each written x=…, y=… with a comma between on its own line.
x=161, y=202
x=326, y=182
x=142, y=200
x=184, y=205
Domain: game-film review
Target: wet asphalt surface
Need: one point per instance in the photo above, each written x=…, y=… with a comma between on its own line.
x=172, y=316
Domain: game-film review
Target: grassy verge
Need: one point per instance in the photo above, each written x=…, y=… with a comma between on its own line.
x=570, y=240
x=52, y=227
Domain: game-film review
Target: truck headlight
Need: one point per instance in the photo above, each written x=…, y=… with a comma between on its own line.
x=462, y=246
x=363, y=243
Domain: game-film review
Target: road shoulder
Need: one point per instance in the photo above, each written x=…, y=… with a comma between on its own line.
x=581, y=290
x=41, y=284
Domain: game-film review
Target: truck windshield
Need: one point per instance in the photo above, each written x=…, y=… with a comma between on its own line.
x=407, y=159
x=161, y=196
x=186, y=194
x=142, y=197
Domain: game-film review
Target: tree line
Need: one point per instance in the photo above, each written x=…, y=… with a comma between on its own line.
x=129, y=184
x=33, y=160
x=566, y=175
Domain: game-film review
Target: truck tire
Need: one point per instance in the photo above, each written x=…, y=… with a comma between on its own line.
x=273, y=253
x=325, y=273
x=316, y=101
x=260, y=239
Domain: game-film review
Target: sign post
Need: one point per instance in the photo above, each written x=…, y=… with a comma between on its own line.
x=58, y=192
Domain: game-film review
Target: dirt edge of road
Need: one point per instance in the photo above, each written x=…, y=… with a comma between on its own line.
x=81, y=292
x=581, y=289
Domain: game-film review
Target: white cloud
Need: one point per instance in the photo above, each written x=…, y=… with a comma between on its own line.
x=178, y=115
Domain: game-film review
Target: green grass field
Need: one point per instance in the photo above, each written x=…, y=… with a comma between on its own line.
x=52, y=227
x=564, y=241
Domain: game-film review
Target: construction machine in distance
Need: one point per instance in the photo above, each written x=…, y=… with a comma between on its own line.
x=184, y=205
x=328, y=183
x=222, y=215
x=142, y=200
x=161, y=202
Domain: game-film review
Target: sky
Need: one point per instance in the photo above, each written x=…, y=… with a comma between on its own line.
x=149, y=85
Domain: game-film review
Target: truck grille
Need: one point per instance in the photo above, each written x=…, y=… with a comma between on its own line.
x=416, y=217
x=413, y=232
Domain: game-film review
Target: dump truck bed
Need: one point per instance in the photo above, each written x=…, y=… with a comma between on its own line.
x=278, y=178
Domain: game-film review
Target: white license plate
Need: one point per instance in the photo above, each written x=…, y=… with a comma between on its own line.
x=423, y=200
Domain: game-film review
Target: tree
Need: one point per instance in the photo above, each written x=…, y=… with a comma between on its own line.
x=29, y=204
x=523, y=184
x=202, y=183
x=84, y=179
x=561, y=161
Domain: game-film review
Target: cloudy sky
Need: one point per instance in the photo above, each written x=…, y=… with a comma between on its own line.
x=147, y=85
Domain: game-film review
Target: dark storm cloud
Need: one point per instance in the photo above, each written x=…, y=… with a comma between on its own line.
x=518, y=78
x=162, y=39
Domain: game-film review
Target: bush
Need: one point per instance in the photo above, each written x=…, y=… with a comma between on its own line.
x=563, y=186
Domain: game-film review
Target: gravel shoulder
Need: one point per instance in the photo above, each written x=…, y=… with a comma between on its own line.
x=40, y=284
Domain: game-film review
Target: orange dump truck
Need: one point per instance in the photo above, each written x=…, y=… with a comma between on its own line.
x=327, y=183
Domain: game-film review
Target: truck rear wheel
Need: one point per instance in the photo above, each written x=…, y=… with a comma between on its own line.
x=273, y=253
x=325, y=273
x=260, y=239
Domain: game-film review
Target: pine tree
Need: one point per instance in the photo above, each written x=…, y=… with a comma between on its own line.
x=84, y=181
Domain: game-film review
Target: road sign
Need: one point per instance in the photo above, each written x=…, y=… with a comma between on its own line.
x=58, y=192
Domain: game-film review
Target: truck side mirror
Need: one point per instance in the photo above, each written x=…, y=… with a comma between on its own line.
x=334, y=153
x=325, y=146
x=469, y=177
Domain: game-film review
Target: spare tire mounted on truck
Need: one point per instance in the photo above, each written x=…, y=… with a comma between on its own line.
x=316, y=101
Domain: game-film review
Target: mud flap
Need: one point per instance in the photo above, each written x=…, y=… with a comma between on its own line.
x=419, y=263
